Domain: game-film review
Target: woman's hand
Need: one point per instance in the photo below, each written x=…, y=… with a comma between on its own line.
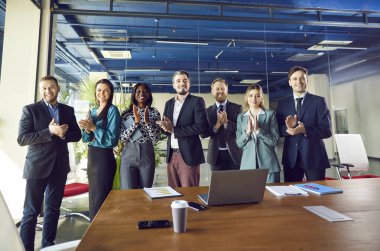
x=256, y=123
x=249, y=125
x=87, y=125
x=136, y=114
x=146, y=115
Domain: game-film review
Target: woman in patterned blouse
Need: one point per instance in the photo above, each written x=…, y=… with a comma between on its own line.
x=139, y=132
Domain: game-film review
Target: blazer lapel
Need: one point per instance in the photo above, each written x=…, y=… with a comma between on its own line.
x=45, y=110
x=187, y=100
x=306, y=102
x=262, y=118
x=213, y=116
x=170, y=109
x=61, y=114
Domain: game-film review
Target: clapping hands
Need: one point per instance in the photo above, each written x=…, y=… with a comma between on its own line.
x=294, y=126
x=58, y=130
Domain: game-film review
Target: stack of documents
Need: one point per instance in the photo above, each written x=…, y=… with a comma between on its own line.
x=161, y=192
x=286, y=191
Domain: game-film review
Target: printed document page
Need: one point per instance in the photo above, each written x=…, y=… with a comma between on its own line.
x=328, y=214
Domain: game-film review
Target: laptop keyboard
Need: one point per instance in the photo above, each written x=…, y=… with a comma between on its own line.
x=204, y=197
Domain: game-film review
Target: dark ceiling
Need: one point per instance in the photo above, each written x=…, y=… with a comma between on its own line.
x=236, y=40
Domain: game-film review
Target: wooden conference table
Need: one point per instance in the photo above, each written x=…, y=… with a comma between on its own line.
x=277, y=223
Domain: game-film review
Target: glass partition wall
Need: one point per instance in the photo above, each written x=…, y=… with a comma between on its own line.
x=342, y=57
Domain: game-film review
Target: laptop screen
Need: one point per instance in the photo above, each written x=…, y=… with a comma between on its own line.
x=236, y=186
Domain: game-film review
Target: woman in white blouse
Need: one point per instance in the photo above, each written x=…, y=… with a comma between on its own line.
x=139, y=132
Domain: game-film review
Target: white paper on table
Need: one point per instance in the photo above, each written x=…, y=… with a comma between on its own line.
x=327, y=213
x=286, y=191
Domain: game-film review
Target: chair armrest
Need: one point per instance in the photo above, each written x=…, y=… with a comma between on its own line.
x=338, y=165
x=347, y=164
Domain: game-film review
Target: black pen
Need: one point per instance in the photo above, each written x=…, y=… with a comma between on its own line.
x=293, y=194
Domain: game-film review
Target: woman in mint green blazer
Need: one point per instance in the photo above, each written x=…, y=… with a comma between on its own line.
x=257, y=134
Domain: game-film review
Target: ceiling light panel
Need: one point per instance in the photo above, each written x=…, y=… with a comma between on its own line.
x=300, y=57
x=335, y=42
x=116, y=54
x=250, y=81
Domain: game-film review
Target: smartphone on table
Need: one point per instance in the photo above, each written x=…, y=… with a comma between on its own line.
x=153, y=224
x=196, y=206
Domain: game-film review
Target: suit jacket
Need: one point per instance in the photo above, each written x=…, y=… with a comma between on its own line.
x=192, y=121
x=45, y=150
x=235, y=152
x=314, y=114
x=263, y=146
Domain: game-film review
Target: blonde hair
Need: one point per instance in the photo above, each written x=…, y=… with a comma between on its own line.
x=250, y=88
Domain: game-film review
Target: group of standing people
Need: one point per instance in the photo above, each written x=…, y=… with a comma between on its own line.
x=248, y=137
x=241, y=137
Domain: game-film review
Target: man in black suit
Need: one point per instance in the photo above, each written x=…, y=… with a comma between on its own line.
x=184, y=120
x=46, y=127
x=223, y=152
x=304, y=121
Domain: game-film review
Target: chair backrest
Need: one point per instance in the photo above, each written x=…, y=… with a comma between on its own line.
x=9, y=238
x=351, y=150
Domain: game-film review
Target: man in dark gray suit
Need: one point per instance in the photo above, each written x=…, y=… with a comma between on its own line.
x=184, y=120
x=223, y=152
x=45, y=126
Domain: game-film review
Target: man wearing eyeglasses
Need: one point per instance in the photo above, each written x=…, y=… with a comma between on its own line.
x=304, y=121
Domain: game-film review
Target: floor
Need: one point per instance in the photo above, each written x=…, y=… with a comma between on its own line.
x=72, y=228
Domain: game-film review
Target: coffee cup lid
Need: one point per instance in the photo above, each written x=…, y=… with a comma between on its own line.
x=179, y=204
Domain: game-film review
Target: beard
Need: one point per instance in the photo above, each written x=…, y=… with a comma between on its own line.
x=182, y=91
x=220, y=99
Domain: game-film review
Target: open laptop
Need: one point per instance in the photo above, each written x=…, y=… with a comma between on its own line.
x=235, y=187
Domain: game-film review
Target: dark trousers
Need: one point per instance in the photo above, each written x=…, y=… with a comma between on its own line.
x=52, y=188
x=296, y=173
x=137, y=166
x=224, y=162
x=101, y=168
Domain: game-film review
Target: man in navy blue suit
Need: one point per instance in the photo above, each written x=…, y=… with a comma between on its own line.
x=45, y=127
x=304, y=121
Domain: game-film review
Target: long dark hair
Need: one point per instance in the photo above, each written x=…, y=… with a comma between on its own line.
x=103, y=114
x=133, y=96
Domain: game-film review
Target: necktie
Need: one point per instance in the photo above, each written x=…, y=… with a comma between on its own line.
x=222, y=137
x=298, y=107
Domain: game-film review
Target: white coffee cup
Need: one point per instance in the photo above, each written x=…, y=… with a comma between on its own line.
x=179, y=213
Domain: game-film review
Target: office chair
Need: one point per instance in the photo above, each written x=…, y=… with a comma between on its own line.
x=10, y=238
x=352, y=155
x=75, y=189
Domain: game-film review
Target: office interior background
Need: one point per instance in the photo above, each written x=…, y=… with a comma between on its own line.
x=244, y=42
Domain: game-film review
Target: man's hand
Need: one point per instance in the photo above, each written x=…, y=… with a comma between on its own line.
x=58, y=130
x=291, y=121
x=165, y=124
x=223, y=117
x=221, y=120
x=297, y=130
